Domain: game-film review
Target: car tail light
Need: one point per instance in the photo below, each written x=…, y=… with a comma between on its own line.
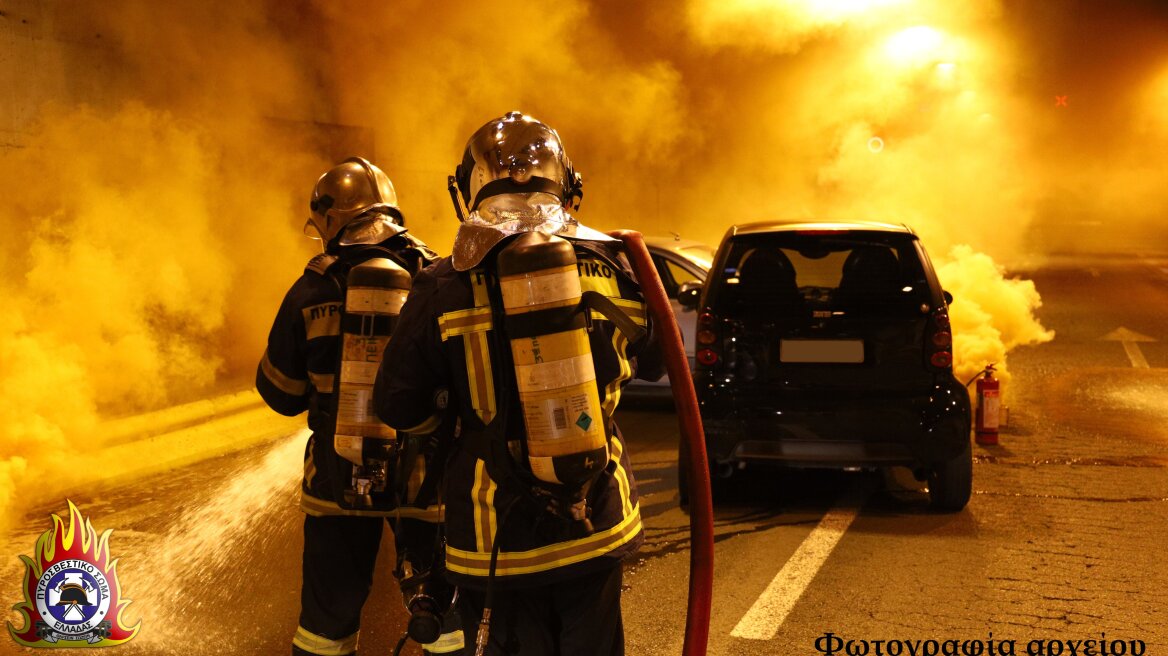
x=707, y=336
x=941, y=359
x=940, y=341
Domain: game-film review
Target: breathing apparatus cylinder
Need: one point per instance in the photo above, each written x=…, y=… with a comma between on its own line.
x=376, y=290
x=566, y=439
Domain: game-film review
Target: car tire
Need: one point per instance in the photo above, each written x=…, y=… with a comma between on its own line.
x=951, y=482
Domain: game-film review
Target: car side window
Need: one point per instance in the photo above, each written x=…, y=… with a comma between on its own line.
x=665, y=270
x=680, y=274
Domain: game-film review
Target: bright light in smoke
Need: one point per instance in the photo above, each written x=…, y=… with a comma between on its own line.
x=915, y=45
x=837, y=10
x=828, y=11
x=782, y=26
x=1155, y=110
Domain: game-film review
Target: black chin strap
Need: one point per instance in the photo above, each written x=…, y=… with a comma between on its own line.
x=509, y=186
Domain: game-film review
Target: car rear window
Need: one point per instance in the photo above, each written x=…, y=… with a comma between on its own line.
x=842, y=272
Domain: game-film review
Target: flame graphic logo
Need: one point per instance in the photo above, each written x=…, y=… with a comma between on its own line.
x=71, y=593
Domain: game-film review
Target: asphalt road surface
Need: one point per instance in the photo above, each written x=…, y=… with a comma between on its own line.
x=1063, y=540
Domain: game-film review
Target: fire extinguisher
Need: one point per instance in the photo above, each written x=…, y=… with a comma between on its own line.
x=988, y=407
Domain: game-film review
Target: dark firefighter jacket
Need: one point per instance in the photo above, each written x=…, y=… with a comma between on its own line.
x=298, y=369
x=441, y=365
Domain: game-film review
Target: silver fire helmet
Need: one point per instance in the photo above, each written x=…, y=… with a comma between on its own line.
x=356, y=201
x=515, y=177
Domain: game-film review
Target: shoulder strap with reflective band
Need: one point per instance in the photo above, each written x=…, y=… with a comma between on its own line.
x=320, y=263
x=614, y=313
x=472, y=325
x=601, y=276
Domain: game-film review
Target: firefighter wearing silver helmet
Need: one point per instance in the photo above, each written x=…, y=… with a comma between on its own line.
x=539, y=523
x=354, y=203
x=354, y=212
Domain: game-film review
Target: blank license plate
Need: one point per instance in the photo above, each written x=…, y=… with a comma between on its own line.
x=822, y=350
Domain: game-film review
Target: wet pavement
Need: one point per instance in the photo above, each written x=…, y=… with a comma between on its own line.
x=1062, y=541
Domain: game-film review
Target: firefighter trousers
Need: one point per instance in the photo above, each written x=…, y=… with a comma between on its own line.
x=576, y=617
x=339, y=555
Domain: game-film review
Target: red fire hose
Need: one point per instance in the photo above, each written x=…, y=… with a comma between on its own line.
x=701, y=517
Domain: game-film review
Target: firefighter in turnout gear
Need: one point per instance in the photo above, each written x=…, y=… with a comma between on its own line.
x=355, y=214
x=522, y=340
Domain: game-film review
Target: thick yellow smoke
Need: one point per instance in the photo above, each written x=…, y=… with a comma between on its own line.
x=991, y=313
x=125, y=280
x=895, y=111
x=156, y=164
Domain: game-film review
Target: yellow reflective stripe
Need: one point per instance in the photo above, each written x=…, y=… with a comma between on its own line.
x=461, y=322
x=322, y=382
x=428, y=426
x=483, y=499
x=635, y=309
x=317, y=644
x=598, y=283
x=311, y=505
x=622, y=477
x=478, y=283
x=637, y=319
x=322, y=320
x=284, y=383
x=480, y=377
x=309, y=465
x=549, y=557
x=447, y=643
x=612, y=391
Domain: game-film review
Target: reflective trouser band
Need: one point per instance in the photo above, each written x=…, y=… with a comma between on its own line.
x=447, y=643
x=315, y=644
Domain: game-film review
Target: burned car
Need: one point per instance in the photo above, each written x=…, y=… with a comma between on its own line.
x=829, y=345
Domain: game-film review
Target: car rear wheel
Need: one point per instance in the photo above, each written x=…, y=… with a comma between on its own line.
x=951, y=482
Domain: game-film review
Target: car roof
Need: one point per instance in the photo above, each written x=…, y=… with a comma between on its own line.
x=793, y=226
x=674, y=244
x=683, y=248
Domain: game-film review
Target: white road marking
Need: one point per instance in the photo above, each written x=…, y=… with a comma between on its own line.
x=769, y=611
x=1130, y=339
x=1135, y=355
